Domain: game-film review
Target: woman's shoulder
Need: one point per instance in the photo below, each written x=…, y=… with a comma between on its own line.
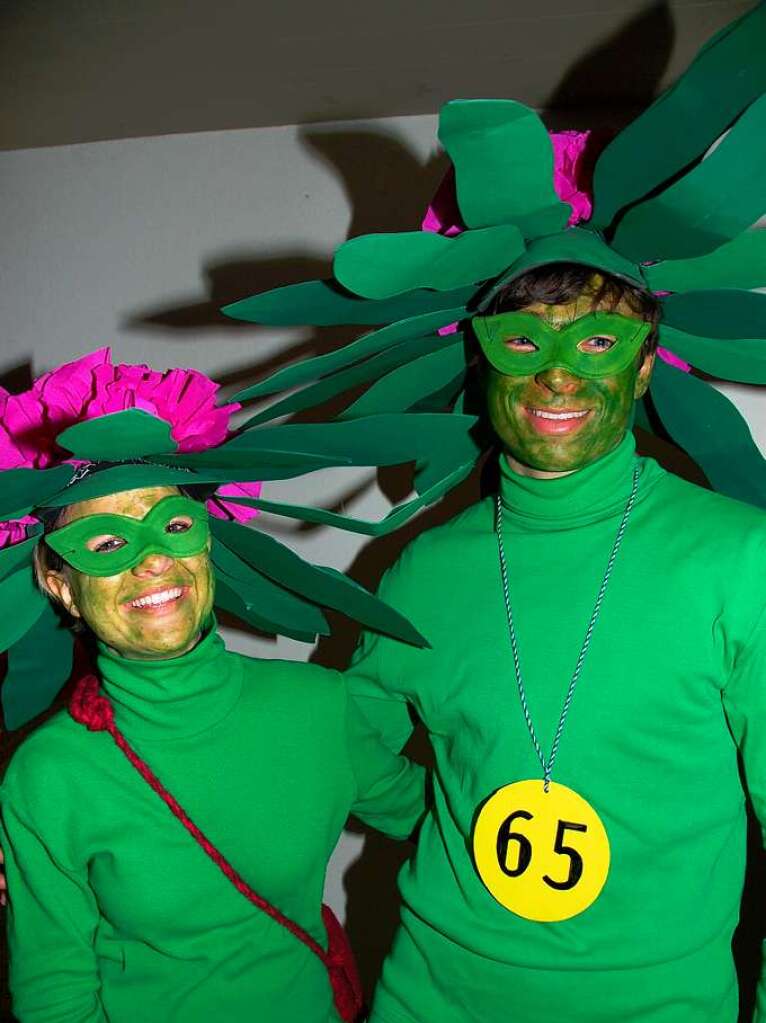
x=51, y=762
x=287, y=681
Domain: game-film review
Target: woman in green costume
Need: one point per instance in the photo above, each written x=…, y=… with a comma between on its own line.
x=115, y=914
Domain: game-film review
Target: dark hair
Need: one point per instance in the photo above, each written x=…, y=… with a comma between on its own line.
x=558, y=283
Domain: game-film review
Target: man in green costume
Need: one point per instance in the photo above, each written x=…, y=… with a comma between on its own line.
x=672, y=668
x=597, y=629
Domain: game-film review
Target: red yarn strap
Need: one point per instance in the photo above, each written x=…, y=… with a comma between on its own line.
x=90, y=707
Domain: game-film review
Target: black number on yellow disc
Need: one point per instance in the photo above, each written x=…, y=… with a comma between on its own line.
x=542, y=855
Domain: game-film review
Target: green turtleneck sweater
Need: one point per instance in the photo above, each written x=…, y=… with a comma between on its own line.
x=115, y=912
x=673, y=683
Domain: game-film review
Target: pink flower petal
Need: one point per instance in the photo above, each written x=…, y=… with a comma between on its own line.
x=237, y=512
x=673, y=360
x=15, y=530
x=569, y=180
x=92, y=386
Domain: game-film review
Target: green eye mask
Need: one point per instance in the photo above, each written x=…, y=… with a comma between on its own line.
x=560, y=347
x=176, y=526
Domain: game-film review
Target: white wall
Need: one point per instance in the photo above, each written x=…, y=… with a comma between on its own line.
x=99, y=238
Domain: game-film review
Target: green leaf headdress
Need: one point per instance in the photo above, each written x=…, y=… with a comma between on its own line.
x=90, y=428
x=672, y=213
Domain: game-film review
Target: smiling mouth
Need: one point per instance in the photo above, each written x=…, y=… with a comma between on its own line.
x=158, y=599
x=558, y=416
x=561, y=422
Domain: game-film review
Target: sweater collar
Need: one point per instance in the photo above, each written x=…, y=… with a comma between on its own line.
x=599, y=491
x=172, y=698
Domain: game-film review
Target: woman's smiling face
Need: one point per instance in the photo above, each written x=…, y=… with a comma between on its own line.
x=152, y=611
x=555, y=421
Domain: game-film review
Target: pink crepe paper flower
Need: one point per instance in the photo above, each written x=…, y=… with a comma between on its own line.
x=93, y=386
x=569, y=180
x=569, y=177
x=15, y=530
x=443, y=215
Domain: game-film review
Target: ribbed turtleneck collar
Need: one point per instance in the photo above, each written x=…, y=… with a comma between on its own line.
x=173, y=698
x=599, y=491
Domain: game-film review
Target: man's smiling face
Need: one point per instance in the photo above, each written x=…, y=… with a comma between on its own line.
x=553, y=421
x=154, y=610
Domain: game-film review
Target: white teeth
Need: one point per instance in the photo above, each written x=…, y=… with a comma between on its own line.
x=155, y=599
x=558, y=415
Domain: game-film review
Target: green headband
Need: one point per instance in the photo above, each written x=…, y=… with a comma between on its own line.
x=540, y=346
x=104, y=545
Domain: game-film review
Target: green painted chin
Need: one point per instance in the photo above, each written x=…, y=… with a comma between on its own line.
x=520, y=409
x=147, y=633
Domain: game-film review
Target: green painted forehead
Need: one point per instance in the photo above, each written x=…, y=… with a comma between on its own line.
x=598, y=344
x=107, y=544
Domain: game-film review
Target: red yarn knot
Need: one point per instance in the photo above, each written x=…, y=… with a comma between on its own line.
x=89, y=707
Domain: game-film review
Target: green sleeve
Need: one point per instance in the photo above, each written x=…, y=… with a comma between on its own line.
x=745, y=702
x=52, y=920
x=390, y=789
x=375, y=676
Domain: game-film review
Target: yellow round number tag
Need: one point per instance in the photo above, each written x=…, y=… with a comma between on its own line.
x=543, y=855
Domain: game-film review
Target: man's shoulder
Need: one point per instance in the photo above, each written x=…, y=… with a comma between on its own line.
x=284, y=682
x=713, y=526
x=681, y=499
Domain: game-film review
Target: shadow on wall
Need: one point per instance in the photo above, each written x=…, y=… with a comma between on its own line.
x=388, y=188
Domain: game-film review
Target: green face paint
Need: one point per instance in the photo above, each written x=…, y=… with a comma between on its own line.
x=599, y=344
x=107, y=544
x=561, y=399
x=157, y=608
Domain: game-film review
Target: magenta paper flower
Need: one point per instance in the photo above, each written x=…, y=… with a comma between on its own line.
x=93, y=386
x=569, y=180
x=443, y=214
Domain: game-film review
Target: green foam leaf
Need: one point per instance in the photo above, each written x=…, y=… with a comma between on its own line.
x=576, y=245
x=21, y=604
x=39, y=664
x=732, y=314
x=742, y=360
x=725, y=77
x=118, y=478
x=228, y=463
x=363, y=348
x=710, y=429
x=227, y=597
x=359, y=373
x=383, y=439
x=503, y=161
x=325, y=304
x=707, y=207
x=383, y=265
x=280, y=564
x=412, y=382
x=393, y=520
x=131, y=433
x=740, y=263
x=26, y=489
x=266, y=597
x=18, y=554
